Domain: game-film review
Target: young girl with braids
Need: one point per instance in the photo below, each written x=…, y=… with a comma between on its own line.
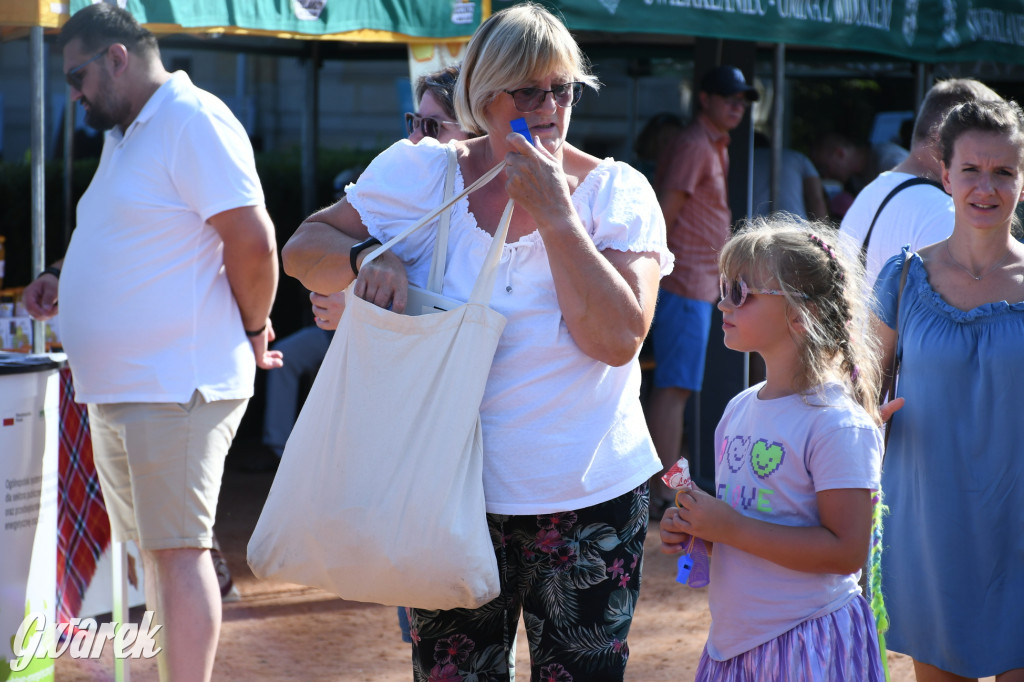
x=798, y=460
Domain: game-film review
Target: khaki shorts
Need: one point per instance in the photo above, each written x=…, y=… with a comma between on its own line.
x=160, y=467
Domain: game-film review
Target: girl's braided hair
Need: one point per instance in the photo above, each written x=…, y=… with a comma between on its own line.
x=812, y=259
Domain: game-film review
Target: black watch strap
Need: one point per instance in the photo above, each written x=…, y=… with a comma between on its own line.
x=51, y=271
x=353, y=254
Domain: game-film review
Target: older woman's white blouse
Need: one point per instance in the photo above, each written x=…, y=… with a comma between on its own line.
x=561, y=430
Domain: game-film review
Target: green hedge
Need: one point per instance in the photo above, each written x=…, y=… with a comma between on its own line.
x=280, y=173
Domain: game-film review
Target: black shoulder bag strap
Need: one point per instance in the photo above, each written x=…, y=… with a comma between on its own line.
x=895, y=190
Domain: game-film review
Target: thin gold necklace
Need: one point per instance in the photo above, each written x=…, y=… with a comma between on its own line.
x=977, y=278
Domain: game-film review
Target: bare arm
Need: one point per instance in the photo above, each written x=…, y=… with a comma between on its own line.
x=318, y=256
x=40, y=296
x=606, y=297
x=672, y=202
x=327, y=308
x=250, y=261
x=839, y=545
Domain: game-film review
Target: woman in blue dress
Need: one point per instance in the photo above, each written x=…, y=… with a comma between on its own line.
x=953, y=565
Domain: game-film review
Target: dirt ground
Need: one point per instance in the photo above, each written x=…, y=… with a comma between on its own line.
x=281, y=631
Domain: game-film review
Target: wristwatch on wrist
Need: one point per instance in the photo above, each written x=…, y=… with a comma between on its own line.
x=358, y=248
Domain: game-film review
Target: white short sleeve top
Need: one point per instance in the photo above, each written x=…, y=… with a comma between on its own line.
x=561, y=430
x=146, y=309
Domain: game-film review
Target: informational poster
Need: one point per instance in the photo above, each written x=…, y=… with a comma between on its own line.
x=29, y=404
x=427, y=58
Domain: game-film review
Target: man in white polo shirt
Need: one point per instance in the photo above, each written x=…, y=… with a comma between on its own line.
x=907, y=205
x=165, y=296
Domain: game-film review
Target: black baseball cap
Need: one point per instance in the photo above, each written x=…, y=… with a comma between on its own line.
x=727, y=80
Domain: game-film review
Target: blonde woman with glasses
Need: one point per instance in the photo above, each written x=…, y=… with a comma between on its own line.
x=567, y=454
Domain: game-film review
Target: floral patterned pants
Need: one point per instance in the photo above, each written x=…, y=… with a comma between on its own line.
x=574, y=575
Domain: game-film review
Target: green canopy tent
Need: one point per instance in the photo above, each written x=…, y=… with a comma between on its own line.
x=930, y=31
x=402, y=21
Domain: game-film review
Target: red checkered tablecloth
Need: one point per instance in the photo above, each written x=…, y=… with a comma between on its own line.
x=83, y=530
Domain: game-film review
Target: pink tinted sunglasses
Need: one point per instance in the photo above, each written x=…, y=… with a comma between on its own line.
x=736, y=291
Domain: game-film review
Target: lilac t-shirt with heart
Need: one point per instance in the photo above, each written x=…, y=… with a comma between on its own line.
x=772, y=458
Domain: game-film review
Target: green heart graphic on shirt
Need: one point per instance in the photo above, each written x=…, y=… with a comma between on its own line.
x=765, y=459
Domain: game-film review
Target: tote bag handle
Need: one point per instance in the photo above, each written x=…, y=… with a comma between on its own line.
x=436, y=280
x=485, y=281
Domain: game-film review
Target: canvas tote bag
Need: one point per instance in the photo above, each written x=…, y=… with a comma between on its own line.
x=379, y=494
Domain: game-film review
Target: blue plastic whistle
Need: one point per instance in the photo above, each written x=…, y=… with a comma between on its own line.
x=519, y=126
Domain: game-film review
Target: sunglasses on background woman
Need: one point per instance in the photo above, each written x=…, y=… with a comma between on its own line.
x=427, y=125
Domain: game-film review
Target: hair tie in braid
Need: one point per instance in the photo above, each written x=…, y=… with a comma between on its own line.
x=830, y=252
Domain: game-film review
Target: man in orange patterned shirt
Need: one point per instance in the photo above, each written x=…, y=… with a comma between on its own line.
x=691, y=184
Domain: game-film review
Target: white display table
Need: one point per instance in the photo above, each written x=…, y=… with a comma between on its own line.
x=29, y=416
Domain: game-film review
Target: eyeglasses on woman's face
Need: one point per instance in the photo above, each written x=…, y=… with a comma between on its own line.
x=75, y=76
x=531, y=99
x=429, y=126
x=736, y=291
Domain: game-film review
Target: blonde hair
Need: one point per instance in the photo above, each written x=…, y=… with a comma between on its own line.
x=517, y=44
x=812, y=259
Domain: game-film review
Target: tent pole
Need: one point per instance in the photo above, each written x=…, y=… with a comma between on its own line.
x=921, y=84
x=38, y=171
x=749, y=212
x=778, y=143
x=309, y=129
x=69, y=160
x=634, y=116
x=241, y=70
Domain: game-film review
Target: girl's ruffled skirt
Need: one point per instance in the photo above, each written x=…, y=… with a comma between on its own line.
x=839, y=647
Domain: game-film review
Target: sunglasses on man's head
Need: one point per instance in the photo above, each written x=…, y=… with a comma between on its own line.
x=531, y=99
x=430, y=127
x=736, y=291
x=74, y=77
